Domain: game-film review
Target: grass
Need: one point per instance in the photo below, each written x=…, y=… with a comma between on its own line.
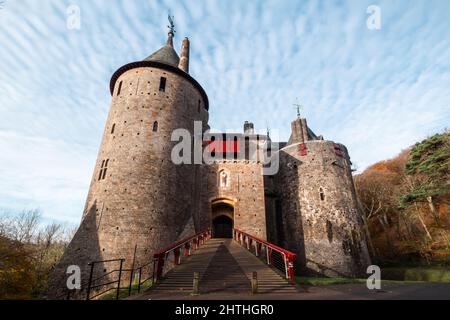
x=427, y=274
x=123, y=292
x=313, y=281
x=393, y=275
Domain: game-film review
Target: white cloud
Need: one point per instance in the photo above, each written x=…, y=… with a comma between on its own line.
x=375, y=91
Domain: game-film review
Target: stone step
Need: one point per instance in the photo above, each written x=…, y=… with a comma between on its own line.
x=223, y=266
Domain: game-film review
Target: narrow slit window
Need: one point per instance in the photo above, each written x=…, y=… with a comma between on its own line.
x=120, y=88
x=155, y=126
x=199, y=106
x=162, y=84
x=113, y=128
x=322, y=194
x=103, y=170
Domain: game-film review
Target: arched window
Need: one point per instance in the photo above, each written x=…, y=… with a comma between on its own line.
x=322, y=194
x=155, y=126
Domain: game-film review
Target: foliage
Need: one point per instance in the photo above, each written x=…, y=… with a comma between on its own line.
x=429, y=162
x=404, y=204
x=28, y=251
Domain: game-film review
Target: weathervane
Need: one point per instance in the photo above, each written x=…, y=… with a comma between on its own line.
x=171, y=25
x=298, y=106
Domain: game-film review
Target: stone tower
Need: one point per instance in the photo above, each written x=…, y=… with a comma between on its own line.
x=139, y=201
x=316, y=212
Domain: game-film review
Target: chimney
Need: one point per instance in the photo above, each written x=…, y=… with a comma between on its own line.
x=184, y=59
x=249, y=128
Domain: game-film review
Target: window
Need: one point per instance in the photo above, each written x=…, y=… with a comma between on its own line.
x=322, y=194
x=329, y=231
x=120, y=88
x=103, y=170
x=113, y=128
x=155, y=126
x=162, y=84
x=199, y=106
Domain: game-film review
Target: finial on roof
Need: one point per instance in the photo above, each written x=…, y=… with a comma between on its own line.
x=172, y=31
x=299, y=107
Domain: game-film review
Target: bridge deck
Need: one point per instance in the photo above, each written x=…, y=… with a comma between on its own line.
x=224, y=266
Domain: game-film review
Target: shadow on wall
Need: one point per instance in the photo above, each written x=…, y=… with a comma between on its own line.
x=83, y=249
x=289, y=226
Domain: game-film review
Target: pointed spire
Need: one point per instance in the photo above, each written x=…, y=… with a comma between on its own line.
x=167, y=54
x=170, y=40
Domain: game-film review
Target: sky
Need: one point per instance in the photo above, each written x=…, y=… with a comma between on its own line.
x=377, y=88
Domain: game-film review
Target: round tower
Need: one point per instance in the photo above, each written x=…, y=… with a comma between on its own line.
x=318, y=206
x=139, y=201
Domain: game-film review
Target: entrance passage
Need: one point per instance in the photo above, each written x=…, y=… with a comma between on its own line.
x=222, y=227
x=222, y=219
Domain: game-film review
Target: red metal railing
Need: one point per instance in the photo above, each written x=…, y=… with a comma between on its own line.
x=284, y=261
x=188, y=245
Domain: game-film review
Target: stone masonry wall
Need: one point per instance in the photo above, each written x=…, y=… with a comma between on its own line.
x=245, y=189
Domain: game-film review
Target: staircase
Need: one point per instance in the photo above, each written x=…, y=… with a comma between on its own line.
x=224, y=266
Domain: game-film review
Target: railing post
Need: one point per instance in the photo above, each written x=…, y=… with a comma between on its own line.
x=286, y=265
x=131, y=281
x=140, y=277
x=154, y=271
x=291, y=271
x=254, y=282
x=159, y=267
x=196, y=284
x=177, y=256
x=269, y=256
x=120, y=278
x=187, y=252
x=88, y=293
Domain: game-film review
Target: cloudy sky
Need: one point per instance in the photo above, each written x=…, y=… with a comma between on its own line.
x=377, y=91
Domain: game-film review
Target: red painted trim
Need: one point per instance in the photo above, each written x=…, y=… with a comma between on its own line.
x=179, y=244
x=288, y=254
x=303, y=150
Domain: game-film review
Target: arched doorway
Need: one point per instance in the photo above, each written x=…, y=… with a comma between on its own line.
x=222, y=227
x=222, y=219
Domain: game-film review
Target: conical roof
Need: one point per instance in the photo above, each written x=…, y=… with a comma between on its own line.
x=166, y=54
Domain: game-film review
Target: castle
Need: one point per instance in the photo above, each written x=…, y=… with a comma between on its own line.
x=140, y=200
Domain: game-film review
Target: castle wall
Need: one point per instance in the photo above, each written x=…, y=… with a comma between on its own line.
x=318, y=210
x=144, y=201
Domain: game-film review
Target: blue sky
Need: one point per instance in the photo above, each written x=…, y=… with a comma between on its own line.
x=377, y=91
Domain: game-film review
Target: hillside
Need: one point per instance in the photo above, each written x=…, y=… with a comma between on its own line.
x=404, y=203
